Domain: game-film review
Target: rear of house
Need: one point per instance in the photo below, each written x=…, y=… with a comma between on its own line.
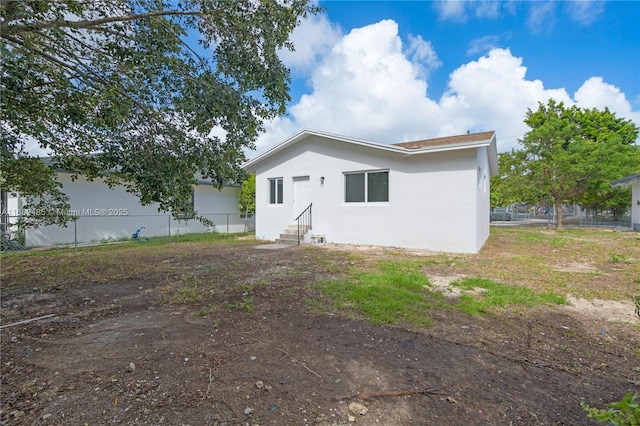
x=427, y=194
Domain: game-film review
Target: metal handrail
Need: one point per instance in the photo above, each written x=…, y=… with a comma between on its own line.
x=304, y=222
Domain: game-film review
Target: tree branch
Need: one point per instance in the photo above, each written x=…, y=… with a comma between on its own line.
x=6, y=29
x=71, y=67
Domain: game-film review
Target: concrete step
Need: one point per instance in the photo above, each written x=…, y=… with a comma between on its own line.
x=293, y=229
x=290, y=237
x=290, y=234
x=287, y=242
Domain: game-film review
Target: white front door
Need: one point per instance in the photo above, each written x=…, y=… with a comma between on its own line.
x=301, y=196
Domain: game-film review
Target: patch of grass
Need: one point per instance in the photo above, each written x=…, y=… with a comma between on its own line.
x=246, y=304
x=532, y=236
x=558, y=242
x=248, y=287
x=396, y=293
x=618, y=258
x=315, y=306
x=205, y=310
x=189, y=290
x=498, y=295
x=159, y=257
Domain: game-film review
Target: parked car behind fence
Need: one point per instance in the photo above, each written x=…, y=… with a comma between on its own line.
x=500, y=213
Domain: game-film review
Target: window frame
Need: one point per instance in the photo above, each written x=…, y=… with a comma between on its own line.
x=366, y=194
x=276, y=198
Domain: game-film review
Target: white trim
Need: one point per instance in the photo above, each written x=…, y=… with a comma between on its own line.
x=406, y=152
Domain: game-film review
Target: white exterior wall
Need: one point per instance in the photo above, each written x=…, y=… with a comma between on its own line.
x=635, y=206
x=102, y=216
x=432, y=197
x=483, y=202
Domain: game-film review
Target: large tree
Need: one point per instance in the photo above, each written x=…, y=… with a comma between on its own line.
x=570, y=155
x=148, y=94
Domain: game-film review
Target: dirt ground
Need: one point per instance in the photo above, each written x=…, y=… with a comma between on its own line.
x=124, y=352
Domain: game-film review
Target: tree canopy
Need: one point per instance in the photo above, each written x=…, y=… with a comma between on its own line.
x=116, y=89
x=247, y=197
x=569, y=155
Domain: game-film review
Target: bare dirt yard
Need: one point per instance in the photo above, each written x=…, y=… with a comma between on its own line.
x=220, y=332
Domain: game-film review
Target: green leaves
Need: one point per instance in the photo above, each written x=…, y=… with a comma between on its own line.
x=120, y=91
x=247, y=197
x=570, y=155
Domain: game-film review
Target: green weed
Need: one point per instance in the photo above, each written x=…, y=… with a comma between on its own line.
x=188, y=291
x=624, y=412
x=498, y=295
x=618, y=258
x=246, y=304
x=558, y=243
x=205, y=310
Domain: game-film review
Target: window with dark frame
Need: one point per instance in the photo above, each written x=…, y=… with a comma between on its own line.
x=275, y=191
x=367, y=187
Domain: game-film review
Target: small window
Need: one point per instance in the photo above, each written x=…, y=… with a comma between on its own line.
x=275, y=191
x=370, y=187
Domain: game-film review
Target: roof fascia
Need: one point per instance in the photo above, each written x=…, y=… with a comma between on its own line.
x=628, y=181
x=303, y=134
x=406, y=152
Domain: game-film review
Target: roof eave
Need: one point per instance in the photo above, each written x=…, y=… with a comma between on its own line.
x=625, y=182
x=250, y=165
x=303, y=134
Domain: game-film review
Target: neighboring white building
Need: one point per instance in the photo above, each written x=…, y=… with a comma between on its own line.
x=634, y=182
x=431, y=194
x=112, y=213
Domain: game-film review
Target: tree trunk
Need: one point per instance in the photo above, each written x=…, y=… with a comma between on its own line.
x=558, y=206
x=246, y=214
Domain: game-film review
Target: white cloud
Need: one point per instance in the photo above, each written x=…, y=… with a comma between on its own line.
x=312, y=39
x=487, y=9
x=493, y=93
x=459, y=10
x=483, y=44
x=423, y=55
x=584, y=12
x=541, y=16
x=595, y=93
x=451, y=9
x=368, y=87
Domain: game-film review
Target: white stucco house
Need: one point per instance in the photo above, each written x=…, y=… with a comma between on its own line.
x=634, y=182
x=429, y=194
x=105, y=213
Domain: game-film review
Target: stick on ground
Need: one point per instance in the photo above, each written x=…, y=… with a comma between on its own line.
x=27, y=321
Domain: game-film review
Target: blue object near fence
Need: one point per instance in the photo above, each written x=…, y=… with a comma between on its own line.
x=138, y=236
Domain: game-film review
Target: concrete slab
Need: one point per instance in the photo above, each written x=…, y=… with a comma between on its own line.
x=275, y=246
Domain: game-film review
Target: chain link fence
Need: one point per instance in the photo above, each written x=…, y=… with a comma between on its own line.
x=604, y=219
x=95, y=229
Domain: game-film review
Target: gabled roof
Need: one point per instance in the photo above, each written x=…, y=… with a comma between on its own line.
x=449, y=143
x=628, y=181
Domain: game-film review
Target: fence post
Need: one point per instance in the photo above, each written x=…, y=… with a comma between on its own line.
x=169, y=216
x=227, y=223
x=75, y=233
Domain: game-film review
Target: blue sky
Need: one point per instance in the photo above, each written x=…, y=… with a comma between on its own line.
x=563, y=52
x=392, y=71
